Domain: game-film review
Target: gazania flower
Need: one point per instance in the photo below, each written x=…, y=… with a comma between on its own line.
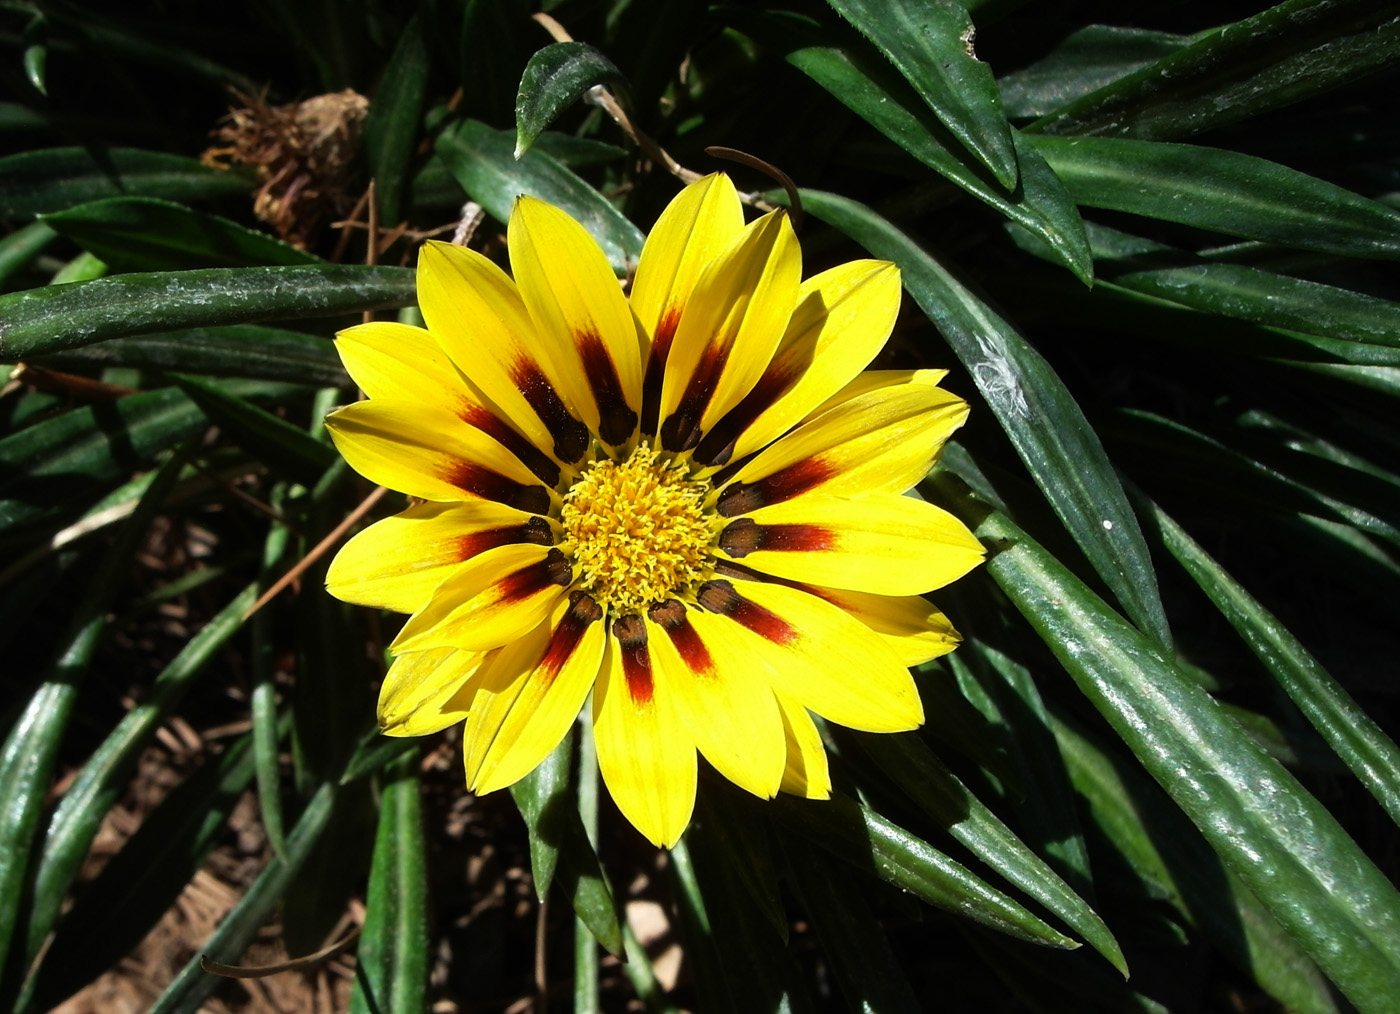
x=687, y=503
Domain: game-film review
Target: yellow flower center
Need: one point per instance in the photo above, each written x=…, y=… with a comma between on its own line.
x=638, y=531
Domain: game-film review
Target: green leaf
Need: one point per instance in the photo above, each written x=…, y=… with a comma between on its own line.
x=1173, y=863
x=869, y=842
x=888, y=104
x=394, y=946
x=481, y=159
x=149, y=234
x=1372, y=755
x=1084, y=62
x=103, y=778
x=866, y=969
x=30, y=751
x=544, y=800
x=1223, y=191
x=555, y=78
x=136, y=887
x=560, y=851
x=22, y=246
x=58, y=317
x=939, y=793
x=931, y=44
x=1281, y=841
x=48, y=463
x=241, y=350
x=1045, y=424
x=1275, y=58
x=38, y=182
x=193, y=985
x=697, y=932
x=395, y=119
x=273, y=441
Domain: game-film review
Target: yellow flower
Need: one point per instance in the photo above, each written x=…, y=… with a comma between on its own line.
x=687, y=502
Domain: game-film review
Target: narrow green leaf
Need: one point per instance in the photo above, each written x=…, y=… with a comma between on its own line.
x=697, y=932
x=193, y=985
x=1372, y=755
x=868, y=841
x=114, y=912
x=37, y=182
x=241, y=350
x=1278, y=57
x=560, y=851
x=916, y=770
x=866, y=969
x=30, y=750
x=150, y=234
x=64, y=316
x=78, y=451
x=586, y=972
x=394, y=949
x=639, y=972
x=481, y=159
x=555, y=78
x=1173, y=862
x=103, y=778
x=36, y=60
x=271, y=440
x=1223, y=191
x=1085, y=61
x=1280, y=840
x=22, y=246
x=888, y=104
x=1045, y=424
x=395, y=119
x=544, y=800
x=931, y=44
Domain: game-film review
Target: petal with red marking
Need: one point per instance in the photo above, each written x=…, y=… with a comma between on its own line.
x=645, y=751
x=491, y=600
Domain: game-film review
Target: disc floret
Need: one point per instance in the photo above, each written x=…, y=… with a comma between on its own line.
x=638, y=531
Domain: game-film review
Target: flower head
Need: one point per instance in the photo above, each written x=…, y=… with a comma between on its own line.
x=687, y=502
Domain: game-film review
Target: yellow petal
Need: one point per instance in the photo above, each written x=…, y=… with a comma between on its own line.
x=913, y=628
x=881, y=543
x=875, y=380
x=514, y=725
x=422, y=691
x=427, y=453
x=702, y=222
x=476, y=314
x=805, y=772
x=389, y=360
x=884, y=440
x=821, y=657
x=491, y=600
x=736, y=315
x=579, y=311
x=843, y=318
x=645, y=752
x=397, y=563
x=723, y=697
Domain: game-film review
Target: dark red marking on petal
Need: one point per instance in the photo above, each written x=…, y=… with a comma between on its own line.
x=535, y=530
x=493, y=426
x=570, y=435
x=489, y=484
x=742, y=537
x=583, y=612
x=671, y=617
x=726, y=568
x=631, y=634
x=616, y=421
x=527, y=581
x=720, y=597
x=656, y=367
x=718, y=445
x=784, y=484
x=681, y=430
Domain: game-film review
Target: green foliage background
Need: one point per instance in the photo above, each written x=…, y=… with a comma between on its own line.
x=1155, y=244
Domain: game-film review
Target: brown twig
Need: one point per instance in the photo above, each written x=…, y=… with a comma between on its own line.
x=330, y=540
x=768, y=169
x=263, y=971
